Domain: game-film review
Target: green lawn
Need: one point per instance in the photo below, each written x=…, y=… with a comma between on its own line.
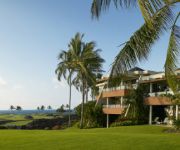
x=121, y=138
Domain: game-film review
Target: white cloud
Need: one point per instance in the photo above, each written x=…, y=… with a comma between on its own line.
x=2, y=82
x=17, y=86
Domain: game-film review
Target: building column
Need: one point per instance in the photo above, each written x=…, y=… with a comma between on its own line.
x=151, y=88
x=177, y=112
x=121, y=84
x=107, y=123
x=121, y=101
x=150, y=115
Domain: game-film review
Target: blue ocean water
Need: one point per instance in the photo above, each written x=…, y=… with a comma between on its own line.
x=26, y=111
x=32, y=112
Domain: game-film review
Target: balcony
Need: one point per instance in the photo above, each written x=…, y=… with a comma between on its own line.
x=113, y=109
x=114, y=93
x=155, y=101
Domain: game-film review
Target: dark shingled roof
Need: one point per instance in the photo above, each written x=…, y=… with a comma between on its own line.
x=136, y=69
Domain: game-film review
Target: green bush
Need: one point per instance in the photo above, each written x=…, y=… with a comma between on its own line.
x=93, y=115
x=3, y=127
x=177, y=124
x=124, y=123
x=135, y=121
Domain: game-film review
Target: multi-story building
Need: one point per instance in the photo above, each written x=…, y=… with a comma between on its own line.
x=112, y=98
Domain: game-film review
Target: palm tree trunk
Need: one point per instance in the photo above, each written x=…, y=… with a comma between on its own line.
x=86, y=92
x=70, y=85
x=82, y=105
x=87, y=96
x=92, y=94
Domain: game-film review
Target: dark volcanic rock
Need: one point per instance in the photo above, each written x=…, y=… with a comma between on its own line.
x=48, y=123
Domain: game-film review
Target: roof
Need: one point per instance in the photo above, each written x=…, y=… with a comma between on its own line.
x=136, y=69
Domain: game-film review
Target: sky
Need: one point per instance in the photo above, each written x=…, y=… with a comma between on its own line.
x=33, y=32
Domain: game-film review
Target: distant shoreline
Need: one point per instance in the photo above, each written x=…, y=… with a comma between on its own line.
x=26, y=111
x=30, y=112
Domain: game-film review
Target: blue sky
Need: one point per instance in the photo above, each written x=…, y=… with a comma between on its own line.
x=33, y=32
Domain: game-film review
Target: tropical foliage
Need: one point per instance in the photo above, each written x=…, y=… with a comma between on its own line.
x=159, y=18
x=177, y=124
x=135, y=100
x=93, y=116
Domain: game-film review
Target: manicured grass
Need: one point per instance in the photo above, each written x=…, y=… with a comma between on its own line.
x=120, y=138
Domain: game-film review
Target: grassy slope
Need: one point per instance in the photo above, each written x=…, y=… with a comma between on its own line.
x=134, y=137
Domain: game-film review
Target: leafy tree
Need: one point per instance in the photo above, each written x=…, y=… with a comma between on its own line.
x=93, y=116
x=158, y=18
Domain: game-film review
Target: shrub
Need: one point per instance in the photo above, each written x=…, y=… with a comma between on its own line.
x=123, y=123
x=56, y=127
x=177, y=124
x=3, y=127
x=93, y=115
x=28, y=117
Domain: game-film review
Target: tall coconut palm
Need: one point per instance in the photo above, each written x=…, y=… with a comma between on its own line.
x=158, y=16
x=87, y=62
x=65, y=69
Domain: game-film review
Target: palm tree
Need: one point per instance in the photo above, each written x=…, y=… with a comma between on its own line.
x=67, y=106
x=12, y=107
x=61, y=109
x=38, y=108
x=87, y=62
x=49, y=107
x=19, y=108
x=42, y=108
x=158, y=18
x=135, y=101
x=65, y=69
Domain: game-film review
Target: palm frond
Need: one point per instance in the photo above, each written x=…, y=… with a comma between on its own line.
x=149, y=8
x=138, y=47
x=102, y=5
x=172, y=57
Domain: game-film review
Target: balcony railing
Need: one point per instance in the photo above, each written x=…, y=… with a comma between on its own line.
x=160, y=93
x=113, y=106
x=120, y=88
